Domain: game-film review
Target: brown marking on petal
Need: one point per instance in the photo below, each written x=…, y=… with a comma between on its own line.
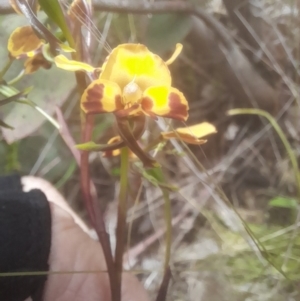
x=118, y=100
x=92, y=104
x=147, y=104
x=24, y=39
x=132, y=111
x=178, y=110
x=95, y=93
x=38, y=61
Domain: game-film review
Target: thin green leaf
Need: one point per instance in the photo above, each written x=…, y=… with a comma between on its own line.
x=91, y=146
x=41, y=111
x=291, y=154
x=13, y=97
x=53, y=10
x=159, y=176
x=68, y=174
x=283, y=202
x=156, y=177
x=12, y=162
x=152, y=177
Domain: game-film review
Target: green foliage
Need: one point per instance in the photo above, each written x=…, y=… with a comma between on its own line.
x=44, y=154
x=50, y=88
x=155, y=177
x=12, y=158
x=283, y=202
x=90, y=146
x=53, y=10
x=166, y=30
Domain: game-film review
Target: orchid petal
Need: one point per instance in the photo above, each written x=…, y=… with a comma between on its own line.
x=63, y=62
x=32, y=64
x=101, y=96
x=191, y=134
x=134, y=62
x=166, y=102
x=66, y=48
x=113, y=152
x=23, y=42
x=175, y=54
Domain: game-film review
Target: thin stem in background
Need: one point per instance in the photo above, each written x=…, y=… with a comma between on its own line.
x=291, y=154
x=6, y=68
x=87, y=123
x=122, y=213
x=280, y=133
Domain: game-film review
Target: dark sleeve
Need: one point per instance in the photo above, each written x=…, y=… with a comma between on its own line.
x=25, y=239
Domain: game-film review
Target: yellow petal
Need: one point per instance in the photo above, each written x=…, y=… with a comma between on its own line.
x=23, y=42
x=175, y=54
x=63, y=62
x=32, y=64
x=191, y=134
x=101, y=96
x=66, y=48
x=166, y=102
x=134, y=62
x=115, y=152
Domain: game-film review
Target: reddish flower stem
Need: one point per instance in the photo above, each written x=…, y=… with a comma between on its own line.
x=94, y=211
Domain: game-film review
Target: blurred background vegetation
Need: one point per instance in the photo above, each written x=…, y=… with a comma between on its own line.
x=236, y=214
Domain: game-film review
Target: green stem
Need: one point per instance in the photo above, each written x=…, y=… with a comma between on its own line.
x=122, y=211
x=6, y=68
x=41, y=111
x=17, y=78
x=281, y=135
x=9, y=91
x=168, y=219
x=159, y=176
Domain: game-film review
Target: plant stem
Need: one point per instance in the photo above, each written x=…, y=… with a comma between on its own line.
x=94, y=211
x=168, y=219
x=17, y=78
x=87, y=123
x=122, y=211
x=6, y=68
x=158, y=175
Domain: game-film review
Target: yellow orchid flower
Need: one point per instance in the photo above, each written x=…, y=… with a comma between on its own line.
x=190, y=135
x=133, y=81
x=23, y=43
